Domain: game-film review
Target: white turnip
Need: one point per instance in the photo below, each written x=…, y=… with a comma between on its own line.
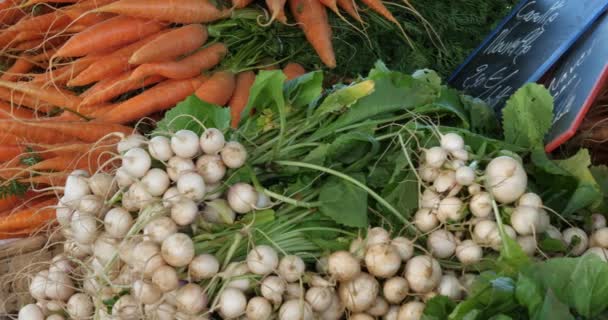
x=428, y=174
x=212, y=141
x=530, y=199
x=435, y=157
x=506, y=179
x=191, y=298
x=441, y=243
x=218, y=211
x=468, y=252
x=258, y=308
x=359, y=293
x=118, y=222
x=178, y=250
x=272, y=288
x=135, y=140
x=450, y=209
x=425, y=220
x=185, y=144
x=191, y=185
x=395, y=290
x=465, y=176
x=577, y=239
x=159, y=148
x=136, y=162
x=232, y=303
x=291, y=268
x=126, y=308
x=376, y=236
x=242, y=197
x=343, y=266
x=103, y=185
x=382, y=260
x=423, y=274
x=445, y=181
x=262, y=260
x=184, y=212
x=411, y=311
x=528, y=244
x=203, y=266
x=160, y=229
x=450, y=287
x=211, y=168
x=295, y=309
x=598, y=221
x=599, y=238
x=59, y=286
x=146, y=292
x=156, y=182
x=233, y=155
x=525, y=220
x=30, y=312
x=430, y=199
x=176, y=166
x=319, y=298
x=404, y=246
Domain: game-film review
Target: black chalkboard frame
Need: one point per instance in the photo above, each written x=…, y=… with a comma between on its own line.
x=589, y=101
x=546, y=66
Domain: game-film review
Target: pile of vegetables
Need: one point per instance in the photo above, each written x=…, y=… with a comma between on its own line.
x=348, y=202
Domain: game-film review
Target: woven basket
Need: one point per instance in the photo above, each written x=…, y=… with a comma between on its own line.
x=23, y=257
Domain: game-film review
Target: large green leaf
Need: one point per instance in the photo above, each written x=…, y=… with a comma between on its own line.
x=588, y=191
x=191, y=113
x=344, y=202
x=527, y=116
x=304, y=89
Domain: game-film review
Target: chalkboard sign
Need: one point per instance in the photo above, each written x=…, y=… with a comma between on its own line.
x=576, y=81
x=524, y=46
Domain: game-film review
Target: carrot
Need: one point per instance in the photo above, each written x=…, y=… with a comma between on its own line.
x=8, y=111
x=52, y=95
x=238, y=102
x=351, y=8
x=240, y=4
x=83, y=131
x=36, y=215
x=158, y=98
x=277, y=10
x=293, y=70
x=56, y=179
x=29, y=132
x=9, y=139
x=10, y=12
x=218, y=89
x=10, y=202
x=43, y=23
x=62, y=75
x=7, y=38
x=9, y=152
x=381, y=9
x=186, y=68
x=171, y=45
x=113, y=32
x=83, y=17
x=43, y=56
x=42, y=43
x=90, y=4
x=22, y=65
x=110, y=88
x=89, y=162
x=180, y=11
x=111, y=65
x=20, y=99
x=33, y=2
x=312, y=18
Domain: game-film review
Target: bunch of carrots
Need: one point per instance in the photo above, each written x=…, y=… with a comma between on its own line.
x=62, y=101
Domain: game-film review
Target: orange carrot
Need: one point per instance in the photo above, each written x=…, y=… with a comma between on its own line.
x=293, y=70
x=43, y=23
x=83, y=17
x=20, y=99
x=10, y=12
x=22, y=65
x=90, y=4
x=55, y=179
x=9, y=139
x=158, y=98
x=381, y=9
x=113, y=32
x=351, y=8
x=8, y=111
x=9, y=152
x=10, y=202
x=83, y=131
x=36, y=215
x=240, y=4
x=312, y=18
x=111, y=65
x=42, y=43
x=28, y=132
x=113, y=87
x=33, y=2
x=218, y=89
x=171, y=45
x=186, y=68
x=180, y=11
x=238, y=102
x=53, y=95
x=277, y=10
x=45, y=55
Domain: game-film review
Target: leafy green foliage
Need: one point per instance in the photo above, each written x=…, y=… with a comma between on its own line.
x=527, y=116
x=304, y=89
x=12, y=188
x=438, y=308
x=30, y=157
x=191, y=113
x=344, y=202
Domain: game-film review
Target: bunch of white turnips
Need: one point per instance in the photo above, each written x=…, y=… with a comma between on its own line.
x=457, y=207
x=122, y=230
